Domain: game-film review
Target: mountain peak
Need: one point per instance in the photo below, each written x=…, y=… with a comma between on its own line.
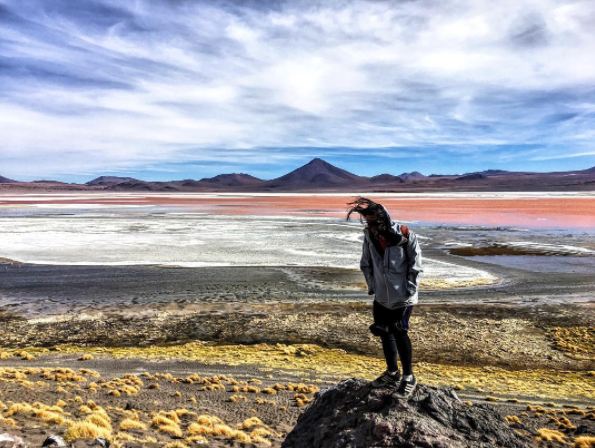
x=317, y=173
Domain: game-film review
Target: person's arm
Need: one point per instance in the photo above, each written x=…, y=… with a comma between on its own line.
x=414, y=264
x=367, y=267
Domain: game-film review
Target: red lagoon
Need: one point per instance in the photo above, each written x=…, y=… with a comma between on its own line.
x=565, y=212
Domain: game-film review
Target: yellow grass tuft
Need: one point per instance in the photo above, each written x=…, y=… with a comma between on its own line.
x=115, y=393
x=176, y=444
x=258, y=439
x=84, y=409
x=86, y=357
x=208, y=420
x=250, y=422
x=512, y=419
x=61, y=403
x=173, y=429
x=125, y=437
x=550, y=435
x=585, y=442
x=565, y=423
x=161, y=419
x=261, y=432
x=237, y=398
x=7, y=422
x=83, y=429
x=50, y=417
x=100, y=419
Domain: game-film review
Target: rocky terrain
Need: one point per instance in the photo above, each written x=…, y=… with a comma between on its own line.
x=354, y=415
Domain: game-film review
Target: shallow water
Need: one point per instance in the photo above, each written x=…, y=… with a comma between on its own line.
x=542, y=263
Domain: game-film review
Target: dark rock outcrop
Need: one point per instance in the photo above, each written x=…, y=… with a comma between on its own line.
x=353, y=415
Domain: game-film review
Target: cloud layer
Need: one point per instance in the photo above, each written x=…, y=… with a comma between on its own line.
x=105, y=85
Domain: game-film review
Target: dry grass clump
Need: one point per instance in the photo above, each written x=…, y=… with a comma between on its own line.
x=237, y=398
x=51, y=417
x=7, y=422
x=585, y=442
x=250, y=422
x=176, y=444
x=173, y=429
x=269, y=390
x=576, y=412
x=550, y=435
x=167, y=422
x=85, y=430
x=301, y=399
x=214, y=426
x=153, y=386
x=512, y=419
x=97, y=424
x=86, y=357
x=577, y=342
x=565, y=423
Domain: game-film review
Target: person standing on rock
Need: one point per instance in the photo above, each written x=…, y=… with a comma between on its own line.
x=391, y=263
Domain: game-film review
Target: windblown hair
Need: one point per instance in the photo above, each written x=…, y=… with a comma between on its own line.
x=367, y=207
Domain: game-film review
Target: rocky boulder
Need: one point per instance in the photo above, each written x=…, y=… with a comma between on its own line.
x=353, y=415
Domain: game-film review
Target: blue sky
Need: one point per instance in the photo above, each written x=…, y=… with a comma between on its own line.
x=173, y=89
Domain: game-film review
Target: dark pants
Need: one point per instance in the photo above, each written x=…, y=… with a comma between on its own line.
x=397, y=340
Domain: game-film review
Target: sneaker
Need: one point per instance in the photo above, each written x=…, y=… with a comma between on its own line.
x=387, y=380
x=405, y=389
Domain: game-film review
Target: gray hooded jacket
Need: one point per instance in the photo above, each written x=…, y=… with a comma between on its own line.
x=394, y=278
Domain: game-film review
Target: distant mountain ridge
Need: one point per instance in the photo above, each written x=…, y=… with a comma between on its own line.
x=111, y=180
x=233, y=179
x=319, y=175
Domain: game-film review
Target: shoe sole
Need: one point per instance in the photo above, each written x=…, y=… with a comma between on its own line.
x=374, y=386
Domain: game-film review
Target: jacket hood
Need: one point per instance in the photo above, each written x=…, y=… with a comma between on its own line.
x=394, y=227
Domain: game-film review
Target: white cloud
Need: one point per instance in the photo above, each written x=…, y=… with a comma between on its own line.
x=130, y=87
